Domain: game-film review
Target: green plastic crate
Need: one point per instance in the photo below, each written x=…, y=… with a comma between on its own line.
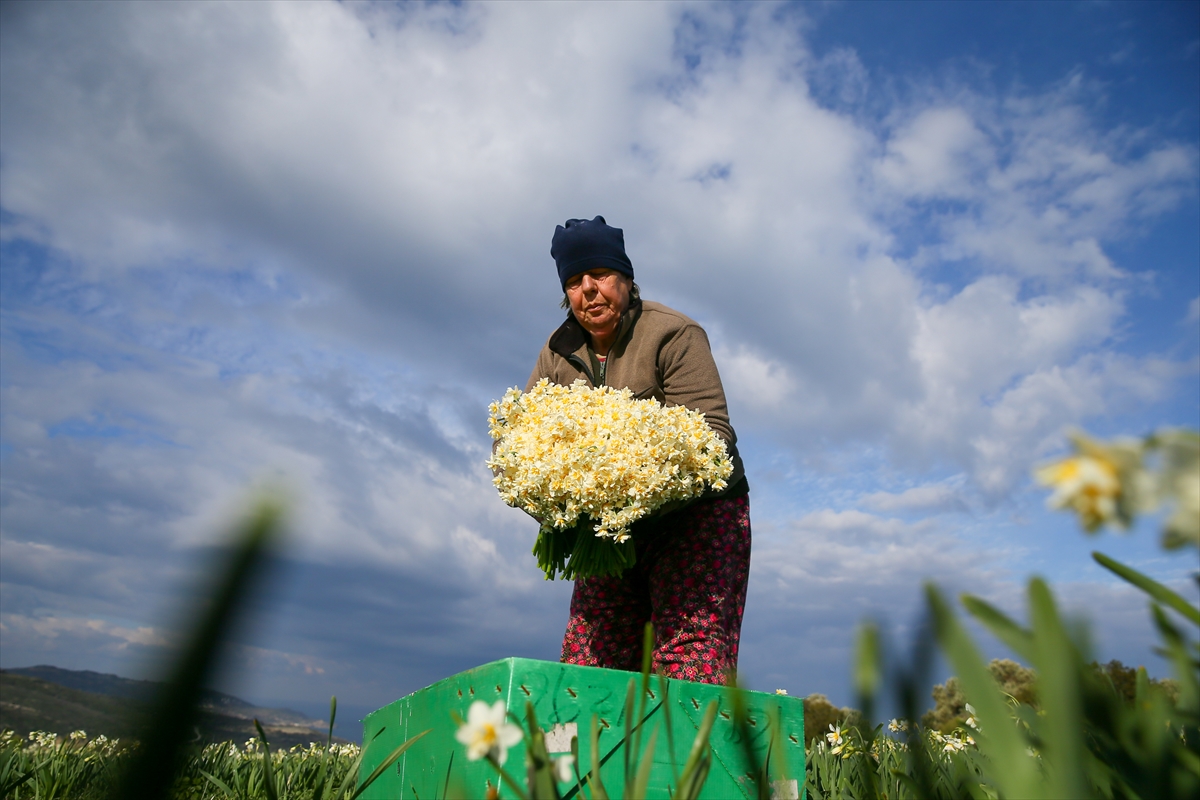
x=564, y=698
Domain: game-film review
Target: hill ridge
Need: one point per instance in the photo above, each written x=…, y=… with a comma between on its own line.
x=45, y=697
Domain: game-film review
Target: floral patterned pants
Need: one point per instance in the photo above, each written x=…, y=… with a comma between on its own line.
x=689, y=581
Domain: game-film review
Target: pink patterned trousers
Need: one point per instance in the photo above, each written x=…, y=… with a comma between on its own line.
x=690, y=581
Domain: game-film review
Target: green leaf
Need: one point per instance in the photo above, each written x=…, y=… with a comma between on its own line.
x=1015, y=772
x=214, y=780
x=664, y=689
x=868, y=670
x=152, y=768
x=647, y=660
x=643, y=774
x=1060, y=670
x=775, y=717
x=628, y=749
x=538, y=766
x=695, y=769
x=597, y=785
x=1151, y=587
x=1185, y=668
x=268, y=767
x=319, y=789
x=387, y=762
x=1001, y=625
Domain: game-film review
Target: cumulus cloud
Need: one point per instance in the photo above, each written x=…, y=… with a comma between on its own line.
x=816, y=580
x=940, y=153
x=81, y=631
x=929, y=498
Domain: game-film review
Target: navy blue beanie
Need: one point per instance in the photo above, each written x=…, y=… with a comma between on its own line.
x=584, y=244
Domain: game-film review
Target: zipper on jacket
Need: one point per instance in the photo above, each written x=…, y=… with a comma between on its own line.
x=578, y=362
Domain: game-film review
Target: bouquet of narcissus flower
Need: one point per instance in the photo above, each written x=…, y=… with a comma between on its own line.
x=588, y=463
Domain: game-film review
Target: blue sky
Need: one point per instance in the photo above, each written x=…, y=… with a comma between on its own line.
x=306, y=244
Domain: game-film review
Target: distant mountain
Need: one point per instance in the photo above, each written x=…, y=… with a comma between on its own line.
x=116, y=686
x=88, y=681
x=62, y=700
x=29, y=704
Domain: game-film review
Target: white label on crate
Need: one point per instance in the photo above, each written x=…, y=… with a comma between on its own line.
x=558, y=738
x=785, y=790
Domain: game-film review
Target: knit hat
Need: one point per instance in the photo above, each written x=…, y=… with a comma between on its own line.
x=584, y=244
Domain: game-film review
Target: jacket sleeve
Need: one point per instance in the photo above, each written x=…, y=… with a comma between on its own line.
x=689, y=378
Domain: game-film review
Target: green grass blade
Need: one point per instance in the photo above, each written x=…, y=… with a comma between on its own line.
x=319, y=789
x=387, y=762
x=741, y=720
x=446, y=784
x=643, y=773
x=1001, y=625
x=220, y=784
x=151, y=771
x=1059, y=668
x=268, y=767
x=351, y=776
x=1151, y=587
x=1016, y=773
x=1185, y=667
x=868, y=672
x=594, y=781
x=629, y=755
x=695, y=769
x=775, y=718
x=647, y=660
x=507, y=779
x=664, y=689
x=578, y=790
x=539, y=767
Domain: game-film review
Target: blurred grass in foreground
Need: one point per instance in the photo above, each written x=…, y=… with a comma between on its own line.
x=1083, y=739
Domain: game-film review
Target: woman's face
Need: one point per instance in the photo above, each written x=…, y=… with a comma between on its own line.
x=598, y=298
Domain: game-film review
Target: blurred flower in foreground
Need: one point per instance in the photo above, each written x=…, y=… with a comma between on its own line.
x=1179, y=480
x=564, y=768
x=487, y=732
x=1098, y=483
x=1111, y=482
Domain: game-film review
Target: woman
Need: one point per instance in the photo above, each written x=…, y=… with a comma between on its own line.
x=692, y=563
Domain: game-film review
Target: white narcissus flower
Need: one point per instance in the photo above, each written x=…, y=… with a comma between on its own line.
x=487, y=731
x=1087, y=485
x=1104, y=482
x=564, y=768
x=565, y=452
x=970, y=721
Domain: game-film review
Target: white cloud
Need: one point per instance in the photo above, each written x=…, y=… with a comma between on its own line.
x=82, y=631
x=937, y=497
x=940, y=153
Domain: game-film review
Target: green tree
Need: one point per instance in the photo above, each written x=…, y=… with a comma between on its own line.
x=819, y=714
x=950, y=705
x=1124, y=680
